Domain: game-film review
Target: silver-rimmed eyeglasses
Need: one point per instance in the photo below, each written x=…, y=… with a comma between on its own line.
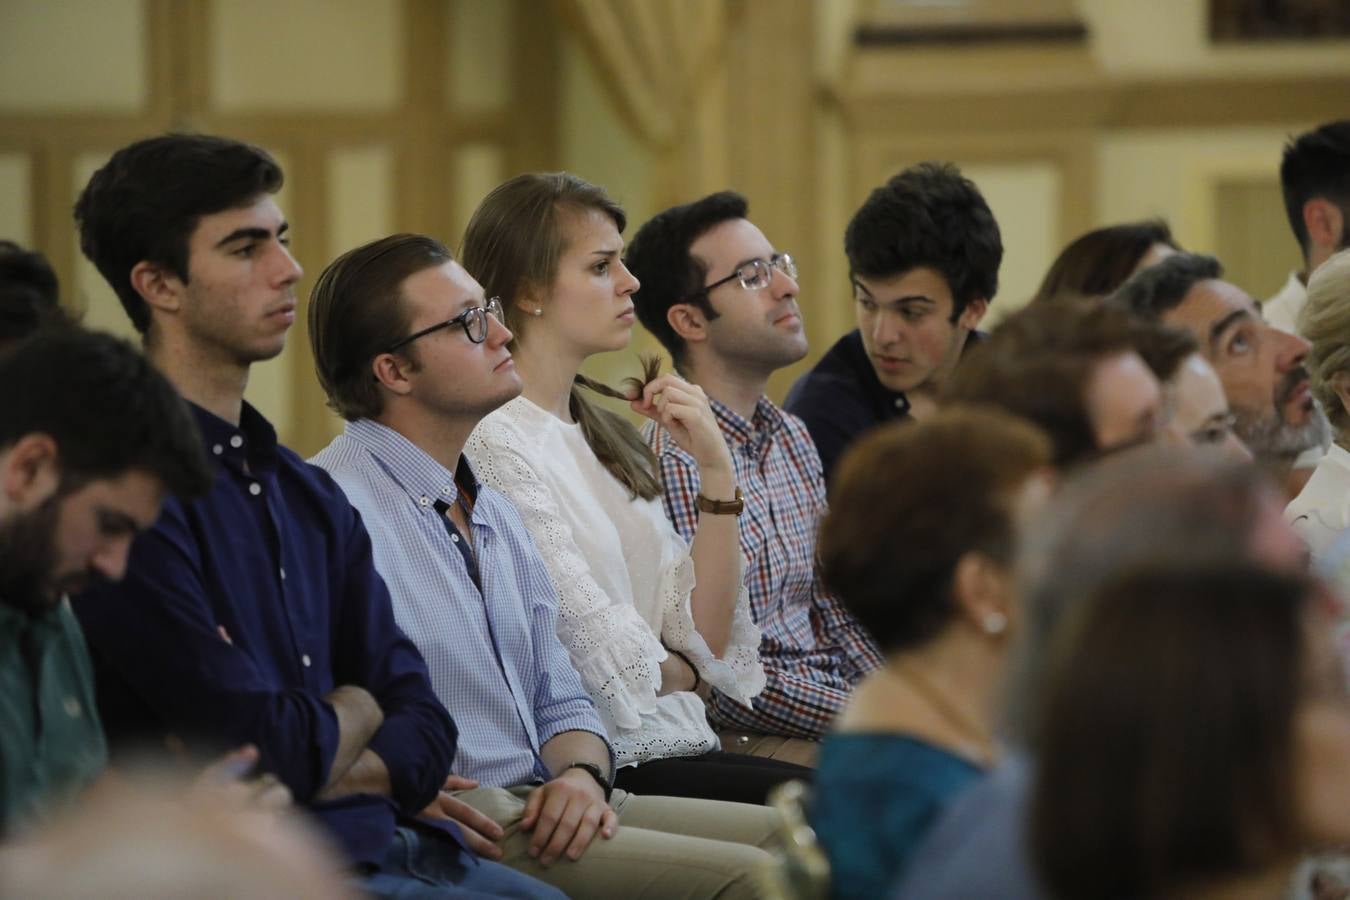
x=473, y=320
x=757, y=273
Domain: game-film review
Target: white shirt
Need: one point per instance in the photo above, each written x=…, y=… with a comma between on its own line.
x=1321, y=511
x=624, y=579
x=1281, y=311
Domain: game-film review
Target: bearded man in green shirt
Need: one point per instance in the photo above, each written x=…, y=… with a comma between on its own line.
x=92, y=437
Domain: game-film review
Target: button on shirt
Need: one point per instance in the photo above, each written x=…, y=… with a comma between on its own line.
x=205, y=638
x=484, y=617
x=813, y=650
x=51, y=742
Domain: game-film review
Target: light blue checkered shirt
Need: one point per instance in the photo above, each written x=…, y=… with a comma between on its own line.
x=494, y=656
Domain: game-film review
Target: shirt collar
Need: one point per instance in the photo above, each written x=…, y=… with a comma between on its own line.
x=425, y=480
x=253, y=438
x=758, y=431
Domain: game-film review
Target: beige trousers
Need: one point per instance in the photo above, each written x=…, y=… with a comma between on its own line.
x=665, y=847
x=785, y=749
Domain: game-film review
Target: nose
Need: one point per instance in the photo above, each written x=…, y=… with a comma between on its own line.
x=1292, y=349
x=1235, y=449
x=498, y=334
x=288, y=271
x=884, y=329
x=783, y=284
x=627, y=282
x=110, y=559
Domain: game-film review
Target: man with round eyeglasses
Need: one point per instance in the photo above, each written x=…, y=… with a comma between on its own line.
x=723, y=302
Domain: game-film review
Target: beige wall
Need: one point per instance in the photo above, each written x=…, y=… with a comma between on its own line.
x=401, y=114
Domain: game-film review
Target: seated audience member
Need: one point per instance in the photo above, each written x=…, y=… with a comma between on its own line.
x=923, y=257
x=1072, y=369
x=1261, y=367
x=1192, y=736
x=91, y=438
x=918, y=544
x=1195, y=409
x=1321, y=511
x=1093, y=265
x=1158, y=505
x=29, y=295
x=169, y=842
x=255, y=614
x=1315, y=179
x=723, y=302
x=413, y=356
x=647, y=617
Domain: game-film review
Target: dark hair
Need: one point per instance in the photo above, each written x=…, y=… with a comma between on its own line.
x=1162, y=347
x=29, y=293
x=659, y=257
x=928, y=215
x=1037, y=365
x=1166, y=734
x=908, y=502
x=108, y=409
x=512, y=245
x=1151, y=293
x=144, y=204
x=1316, y=164
x=357, y=310
x=1100, y=261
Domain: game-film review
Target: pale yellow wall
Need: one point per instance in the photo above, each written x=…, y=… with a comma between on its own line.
x=1024, y=198
x=15, y=205
x=86, y=55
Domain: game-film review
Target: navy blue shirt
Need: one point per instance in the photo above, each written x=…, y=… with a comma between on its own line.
x=841, y=397
x=242, y=610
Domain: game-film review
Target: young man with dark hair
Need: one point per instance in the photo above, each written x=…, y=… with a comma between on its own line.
x=1315, y=179
x=255, y=613
x=923, y=256
x=1261, y=367
x=724, y=303
x=1071, y=368
x=91, y=439
x=29, y=295
x=413, y=356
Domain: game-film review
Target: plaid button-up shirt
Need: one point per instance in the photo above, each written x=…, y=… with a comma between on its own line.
x=812, y=649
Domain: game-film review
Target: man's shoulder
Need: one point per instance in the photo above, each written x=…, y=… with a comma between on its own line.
x=834, y=379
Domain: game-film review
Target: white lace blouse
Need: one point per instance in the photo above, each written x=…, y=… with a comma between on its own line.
x=623, y=577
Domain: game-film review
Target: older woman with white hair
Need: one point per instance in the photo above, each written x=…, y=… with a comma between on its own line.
x=1321, y=511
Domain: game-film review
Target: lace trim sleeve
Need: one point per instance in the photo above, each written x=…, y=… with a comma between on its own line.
x=612, y=648
x=738, y=674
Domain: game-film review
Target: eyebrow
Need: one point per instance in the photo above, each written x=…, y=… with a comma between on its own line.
x=1218, y=328
x=253, y=233
x=907, y=298
x=113, y=520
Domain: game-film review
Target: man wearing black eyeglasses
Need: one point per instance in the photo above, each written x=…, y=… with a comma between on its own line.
x=723, y=302
x=923, y=257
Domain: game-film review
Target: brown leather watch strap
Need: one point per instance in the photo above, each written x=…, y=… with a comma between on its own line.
x=732, y=507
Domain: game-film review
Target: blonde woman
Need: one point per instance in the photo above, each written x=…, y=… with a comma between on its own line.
x=647, y=619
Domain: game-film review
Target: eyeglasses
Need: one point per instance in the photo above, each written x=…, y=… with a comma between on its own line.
x=473, y=320
x=755, y=274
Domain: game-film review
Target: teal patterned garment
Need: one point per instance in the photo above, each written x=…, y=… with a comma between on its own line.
x=51, y=741
x=875, y=797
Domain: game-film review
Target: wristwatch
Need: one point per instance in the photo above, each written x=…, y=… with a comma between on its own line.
x=733, y=507
x=594, y=771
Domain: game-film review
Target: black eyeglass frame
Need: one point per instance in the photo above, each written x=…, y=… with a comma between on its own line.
x=783, y=262
x=491, y=307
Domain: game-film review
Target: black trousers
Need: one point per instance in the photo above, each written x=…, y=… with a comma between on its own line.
x=713, y=776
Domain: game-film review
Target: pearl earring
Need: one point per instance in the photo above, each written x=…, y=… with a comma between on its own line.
x=994, y=623
x=536, y=312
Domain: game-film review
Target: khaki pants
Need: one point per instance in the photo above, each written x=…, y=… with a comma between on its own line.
x=785, y=749
x=665, y=847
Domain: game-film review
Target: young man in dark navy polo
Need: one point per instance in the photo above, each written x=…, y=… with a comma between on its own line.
x=923, y=258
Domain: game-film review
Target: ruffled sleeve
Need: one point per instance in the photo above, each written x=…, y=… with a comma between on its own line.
x=738, y=673
x=612, y=648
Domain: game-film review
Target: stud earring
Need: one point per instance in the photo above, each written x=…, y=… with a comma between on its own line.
x=994, y=623
x=536, y=312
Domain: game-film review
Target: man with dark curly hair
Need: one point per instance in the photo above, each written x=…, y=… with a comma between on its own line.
x=923, y=258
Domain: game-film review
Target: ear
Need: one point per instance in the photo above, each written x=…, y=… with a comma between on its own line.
x=30, y=471
x=392, y=371
x=157, y=285
x=1323, y=220
x=973, y=313
x=981, y=592
x=689, y=322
